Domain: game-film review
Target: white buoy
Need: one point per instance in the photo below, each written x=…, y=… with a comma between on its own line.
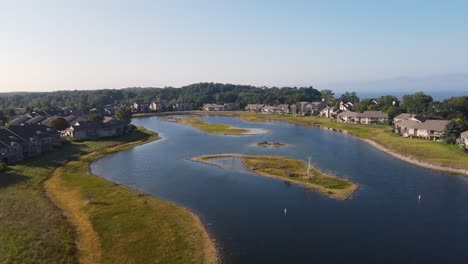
x=419, y=197
x=285, y=211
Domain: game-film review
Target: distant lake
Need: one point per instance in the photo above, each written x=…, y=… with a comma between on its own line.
x=383, y=222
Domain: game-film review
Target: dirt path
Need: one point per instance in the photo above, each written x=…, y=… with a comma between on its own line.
x=69, y=201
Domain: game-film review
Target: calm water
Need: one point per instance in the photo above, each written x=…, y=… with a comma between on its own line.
x=382, y=223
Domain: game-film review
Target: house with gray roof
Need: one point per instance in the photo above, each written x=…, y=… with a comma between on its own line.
x=373, y=117
x=430, y=129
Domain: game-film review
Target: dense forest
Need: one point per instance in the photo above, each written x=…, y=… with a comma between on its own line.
x=197, y=94
x=201, y=93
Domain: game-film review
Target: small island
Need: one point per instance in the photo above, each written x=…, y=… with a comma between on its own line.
x=290, y=170
x=222, y=129
x=270, y=144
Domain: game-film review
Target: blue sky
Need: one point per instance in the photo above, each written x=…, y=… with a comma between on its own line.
x=52, y=45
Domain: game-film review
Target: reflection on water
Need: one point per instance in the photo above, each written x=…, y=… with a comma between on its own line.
x=383, y=223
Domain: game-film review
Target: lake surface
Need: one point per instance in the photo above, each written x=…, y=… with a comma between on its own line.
x=383, y=222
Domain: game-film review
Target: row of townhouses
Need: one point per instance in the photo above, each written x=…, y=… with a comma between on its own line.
x=18, y=142
x=221, y=107
x=160, y=107
x=419, y=126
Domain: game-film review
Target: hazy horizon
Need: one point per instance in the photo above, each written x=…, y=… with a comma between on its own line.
x=362, y=46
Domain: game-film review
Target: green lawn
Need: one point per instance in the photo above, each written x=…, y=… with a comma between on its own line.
x=294, y=171
x=131, y=227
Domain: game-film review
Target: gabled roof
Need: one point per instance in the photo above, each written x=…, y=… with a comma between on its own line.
x=19, y=120
x=437, y=125
x=36, y=119
x=348, y=114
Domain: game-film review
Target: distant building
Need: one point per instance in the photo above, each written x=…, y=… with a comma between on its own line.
x=90, y=130
x=366, y=117
x=346, y=106
x=329, y=112
x=157, y=107
x=410, y=117
x=463, y=140
x=313, y=108
x=213, y=107
x=284, y=108
x=224, y=107
x=254, y=107
x=139, y=108
x=183, y=107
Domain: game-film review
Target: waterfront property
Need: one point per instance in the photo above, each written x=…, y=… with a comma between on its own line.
x=429, y=129
x=329, y=112
x=463, y=140
x=223, y=107
x=310, y=108
x=90, y=130
x=346, y=106
x=410, y=117
x=254, y=107
x=366, y=117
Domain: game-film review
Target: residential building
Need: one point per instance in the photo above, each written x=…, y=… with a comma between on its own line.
x=231, y=107
x=224, y=107
x=430, y=129
x=329, y=112
x=254, y=107
x=157, y=107
x=183, y=107
x=213, y=107
x=373, y=117
x=366, y=117
x=285, y=108
x=463, y=140
x=89, y=130
x=272, y=110
x=348, y=117
x=313, y=108
x=346, y=106
x=411, y=117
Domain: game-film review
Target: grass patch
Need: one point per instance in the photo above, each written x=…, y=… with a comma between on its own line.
x=129, y=227
x=204, y=126
x=294, y=171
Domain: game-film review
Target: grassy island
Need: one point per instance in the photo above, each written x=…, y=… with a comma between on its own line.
x=270, y=144
x=116, y=225
x=291, y=170
x=223, y=129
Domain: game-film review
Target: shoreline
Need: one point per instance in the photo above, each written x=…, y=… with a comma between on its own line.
x=87, y=239
x=402, y=157
x=342, y=196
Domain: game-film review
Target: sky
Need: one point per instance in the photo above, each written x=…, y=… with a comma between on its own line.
x=61, y=45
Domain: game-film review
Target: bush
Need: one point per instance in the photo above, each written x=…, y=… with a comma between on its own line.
x=3, y=166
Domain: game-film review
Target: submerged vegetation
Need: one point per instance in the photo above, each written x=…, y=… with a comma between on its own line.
x=292, y=170
x=109, y=222
x=204, y=126
x=270, y=144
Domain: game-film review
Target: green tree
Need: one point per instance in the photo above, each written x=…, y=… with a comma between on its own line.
x=349, y=97
x=452, y=131
x=417, y=103
x=95, y=118
x=327, y=95
x=123, y=114
x=59, y=123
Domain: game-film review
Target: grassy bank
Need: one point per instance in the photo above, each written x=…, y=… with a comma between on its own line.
x=294, y=171
x=204, y=126
x=120, y=225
